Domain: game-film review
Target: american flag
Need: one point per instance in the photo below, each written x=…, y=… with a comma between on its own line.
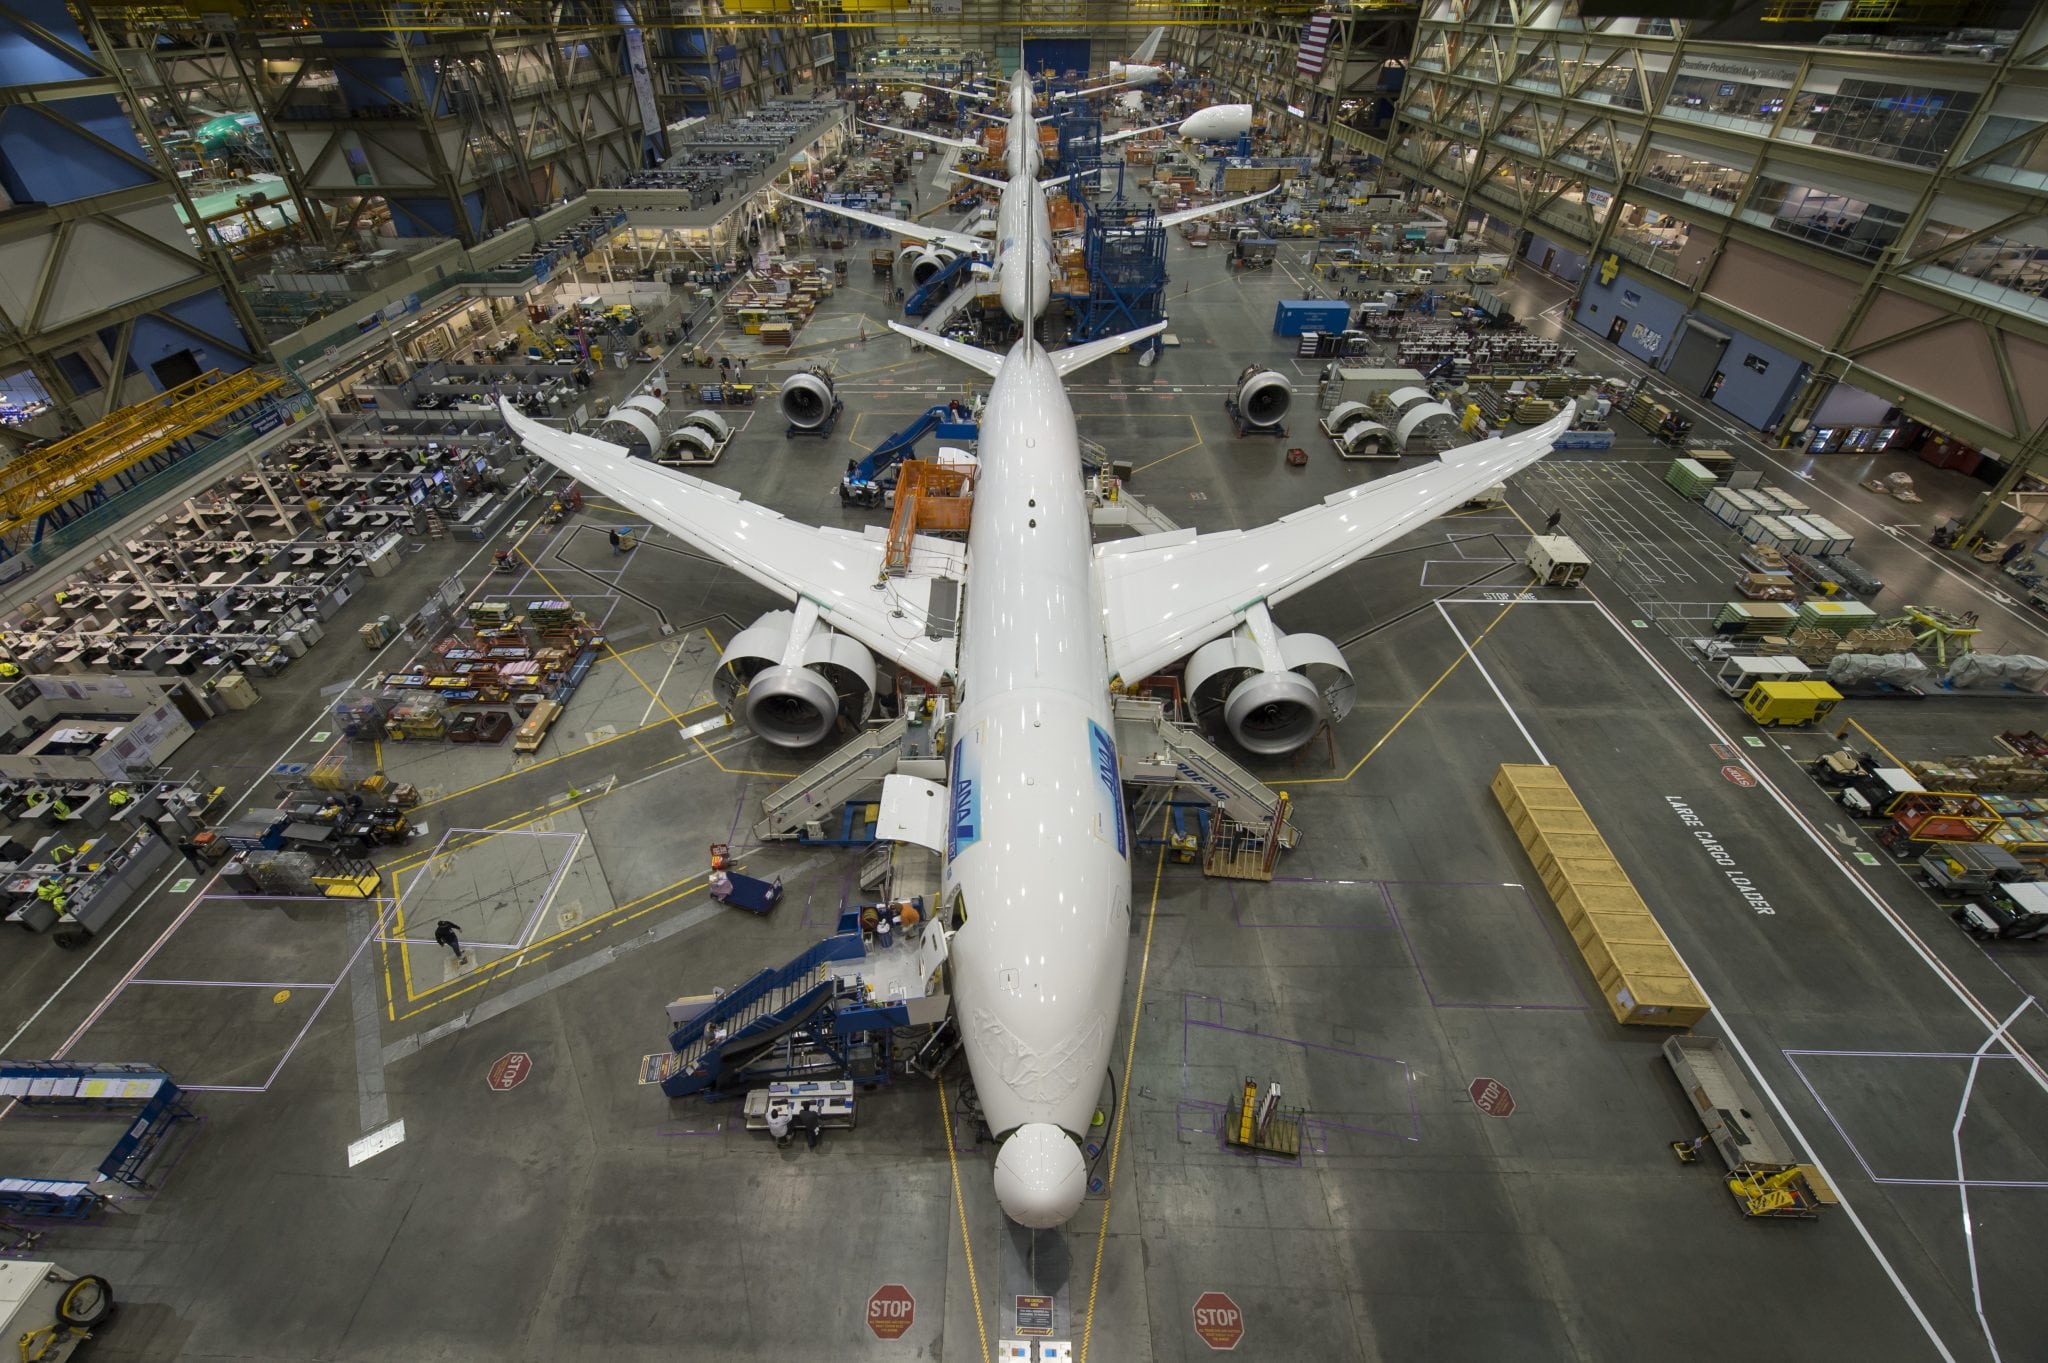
x=1315, y=46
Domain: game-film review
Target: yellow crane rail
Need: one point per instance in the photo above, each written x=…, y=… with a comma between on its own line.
x=42, y=480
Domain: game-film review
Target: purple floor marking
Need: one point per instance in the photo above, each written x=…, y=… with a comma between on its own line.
x=1237, y=908
x=1190, y=1024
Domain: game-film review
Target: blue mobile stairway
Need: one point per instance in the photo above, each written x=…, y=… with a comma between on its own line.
x=806, y=1018
x=939, y=285
x=865, y=482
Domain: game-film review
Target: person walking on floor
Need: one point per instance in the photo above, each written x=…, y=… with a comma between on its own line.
x=193, y=854
x=613, y=535
x=446, y=934
x=1550, y=526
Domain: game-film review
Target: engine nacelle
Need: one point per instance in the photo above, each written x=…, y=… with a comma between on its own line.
x=1270, y=710
x=924, y=262
x=1263, y=396
x=807, y=399
x=793, y=691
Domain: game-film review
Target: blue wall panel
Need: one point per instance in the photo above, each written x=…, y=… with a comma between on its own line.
x=1566, y=265
x=1758, y=397
x=43, y=161
x=1653, y=319
x=1058, y=55
x=26, y=60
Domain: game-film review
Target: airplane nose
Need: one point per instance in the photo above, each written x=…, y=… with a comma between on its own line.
x=1040, y=1176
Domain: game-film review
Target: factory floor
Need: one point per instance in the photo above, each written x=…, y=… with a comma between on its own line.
x=1406, y=952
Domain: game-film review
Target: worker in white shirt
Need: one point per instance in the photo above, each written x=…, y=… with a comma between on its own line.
x=778, y=1125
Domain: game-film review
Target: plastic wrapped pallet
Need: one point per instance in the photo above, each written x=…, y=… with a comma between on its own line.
x=1989, y=671
x=1858, y=670
x=1691, y=478
x=1730, y=506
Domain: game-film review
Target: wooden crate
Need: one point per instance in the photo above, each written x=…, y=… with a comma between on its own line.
x=1561, y=877
x=1639, y=926
x=1513, y=778
x=1578, y=902
x=1657, y=1002
x=1566, y=848
x=1532, y=822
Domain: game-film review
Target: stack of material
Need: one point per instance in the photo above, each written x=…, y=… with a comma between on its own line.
x=1839, y=617
x=1647, y=412
x=1755, y=617
x=1992, y=774
x=1992, y=671
x=1638, y=972
x=1691, y=478
x=1848, y=671
x=1900, y=485
x=1817, y=647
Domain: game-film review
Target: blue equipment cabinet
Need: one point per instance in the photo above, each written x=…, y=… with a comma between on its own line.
x=1330, y=316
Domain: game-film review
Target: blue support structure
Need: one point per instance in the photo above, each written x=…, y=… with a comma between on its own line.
x=865, y=482
x=804, y=1019
x=143, y=1097
x=1126, y=254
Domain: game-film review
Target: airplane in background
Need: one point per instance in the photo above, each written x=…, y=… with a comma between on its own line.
x=1037, y=879
x=1217, y=123
x=1138, y=72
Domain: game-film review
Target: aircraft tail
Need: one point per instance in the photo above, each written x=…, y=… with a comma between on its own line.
x=1149, y=49
x=987, y=361
x=1190, y=214
x=1080, y=356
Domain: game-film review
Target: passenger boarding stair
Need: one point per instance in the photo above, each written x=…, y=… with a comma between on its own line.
x=1157, y=751
x=940, y=286
x=946, y=308
x=834, y=1009
x=805, y=806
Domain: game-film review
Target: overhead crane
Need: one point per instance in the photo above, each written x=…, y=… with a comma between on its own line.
x=37, y=487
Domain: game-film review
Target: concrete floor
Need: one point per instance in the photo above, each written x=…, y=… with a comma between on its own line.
x=1407, y=952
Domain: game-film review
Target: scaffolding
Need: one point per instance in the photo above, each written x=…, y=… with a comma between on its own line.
x=49, y=485
x=1126, y=257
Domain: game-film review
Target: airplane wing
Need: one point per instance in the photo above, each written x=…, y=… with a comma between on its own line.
x=1129, y=133
x=1190, y=214
x=958, y=241
x=1163, y=596
x=836, y=570
x=963, y=143
x=956, y=93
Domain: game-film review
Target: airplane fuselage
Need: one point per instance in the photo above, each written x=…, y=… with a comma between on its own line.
x=1038, y=863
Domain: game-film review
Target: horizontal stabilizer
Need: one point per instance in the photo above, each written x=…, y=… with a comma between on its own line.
x=981, y=179
x=987, y=361
x=1190, y=214
x=1080, y=356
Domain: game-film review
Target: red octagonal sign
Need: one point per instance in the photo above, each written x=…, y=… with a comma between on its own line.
x=891, y=1311
x=1738, y=776
x=509, y=1071
x=1491, y=1096
x=1218, y=1321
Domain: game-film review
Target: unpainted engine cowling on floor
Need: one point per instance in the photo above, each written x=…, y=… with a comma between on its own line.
x=1270, y=711
x=795, y=696
x=1263, y=396
x=807, y=399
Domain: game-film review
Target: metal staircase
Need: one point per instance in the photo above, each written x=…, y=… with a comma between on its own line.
x=1159, y=752
x=943, y=311
x=766, y=1004
x=1130, y=513
x=805, y=803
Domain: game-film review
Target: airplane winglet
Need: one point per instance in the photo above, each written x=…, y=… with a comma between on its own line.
x=987, y=361
x=1080, y=356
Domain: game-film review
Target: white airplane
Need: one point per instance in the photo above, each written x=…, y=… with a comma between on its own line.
x=1023, y=247
x=1136, y=73
x=1037, y=880
x=1217, y=123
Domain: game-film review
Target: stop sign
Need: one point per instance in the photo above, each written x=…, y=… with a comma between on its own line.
x=1491, y=1096
x=891, y=1311
x=1218, y=1321
x=508, y=1072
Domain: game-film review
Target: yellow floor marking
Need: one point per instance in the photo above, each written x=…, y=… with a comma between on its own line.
x=959, y=1202
x=1123, y=1095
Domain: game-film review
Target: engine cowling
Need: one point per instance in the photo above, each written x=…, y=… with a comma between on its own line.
x=793, y=692
x=1263, y=396
x=924, y=261
x=807, y=399
x=1269, y=710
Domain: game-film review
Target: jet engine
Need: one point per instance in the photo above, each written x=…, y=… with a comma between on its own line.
x=925, y=261
x=794, y=680
x=807, y=399
x=1262, y=397
x=1271, y=690
x=697, y=440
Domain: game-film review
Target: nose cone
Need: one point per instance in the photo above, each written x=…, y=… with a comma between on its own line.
x=1040, y=1177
